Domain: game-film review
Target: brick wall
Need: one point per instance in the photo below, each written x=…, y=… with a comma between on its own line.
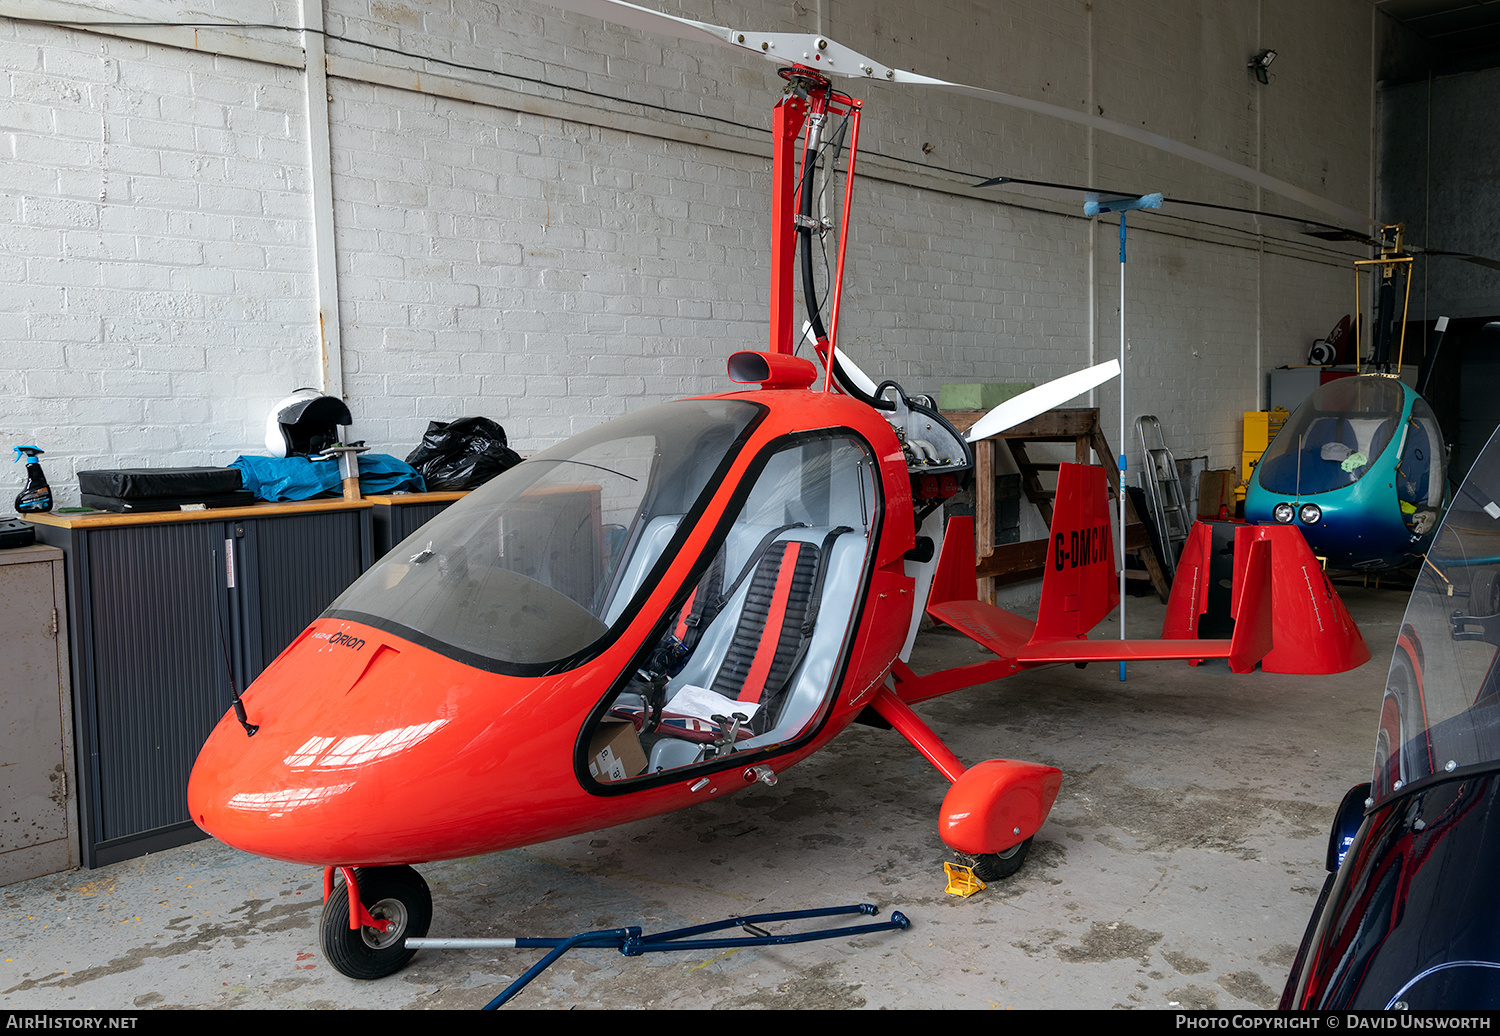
x=553, y=267
x=154, y=247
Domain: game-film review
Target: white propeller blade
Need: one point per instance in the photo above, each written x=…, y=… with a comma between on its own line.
x=852, y=371
x=1041, y=399
x=825, y=55
x=861, y=380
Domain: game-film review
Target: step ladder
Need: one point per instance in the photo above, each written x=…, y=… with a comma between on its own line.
x=1163, y=490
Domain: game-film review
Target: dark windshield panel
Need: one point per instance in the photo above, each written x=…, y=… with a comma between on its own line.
x=538, y=564
x=1334, y=437
x=1441, y=710
x=1421, y=476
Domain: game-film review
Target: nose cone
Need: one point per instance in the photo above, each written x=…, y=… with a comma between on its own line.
x=327, y=798
x=353, y=728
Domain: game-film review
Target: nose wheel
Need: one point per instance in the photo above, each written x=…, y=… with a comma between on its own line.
x=396, y=896
x=997, y=866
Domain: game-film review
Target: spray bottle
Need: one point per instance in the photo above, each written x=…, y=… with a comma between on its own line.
x=36, y=498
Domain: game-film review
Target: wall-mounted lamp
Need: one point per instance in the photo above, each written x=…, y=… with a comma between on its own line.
x=1260, y=63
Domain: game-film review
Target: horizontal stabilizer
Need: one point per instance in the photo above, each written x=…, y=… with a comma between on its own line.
x=1054, y=651
x=995, y=628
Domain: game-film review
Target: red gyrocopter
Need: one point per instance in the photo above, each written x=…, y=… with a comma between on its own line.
x=670, y=607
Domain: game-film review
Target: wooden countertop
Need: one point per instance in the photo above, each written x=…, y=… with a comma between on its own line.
x=439, y=497
x=104, y=519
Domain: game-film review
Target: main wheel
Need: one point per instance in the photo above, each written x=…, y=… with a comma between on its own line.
x=394, y=894
x=995, y=866
x=1484, y=592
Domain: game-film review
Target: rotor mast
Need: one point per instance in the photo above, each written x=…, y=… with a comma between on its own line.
x=1393, y=260
x=803, y=111
x=787, y=121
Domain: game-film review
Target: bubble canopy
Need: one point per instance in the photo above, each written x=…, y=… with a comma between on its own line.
x=535, y=567
x=1334, y=437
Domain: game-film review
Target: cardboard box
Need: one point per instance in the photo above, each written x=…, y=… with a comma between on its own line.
x=1215, y=490
x=615, y=752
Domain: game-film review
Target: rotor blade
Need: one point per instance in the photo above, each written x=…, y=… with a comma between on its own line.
x=835, y=59
x=1041, y=399
x=1481, y=260
x=1327, y=233
x=629, y=15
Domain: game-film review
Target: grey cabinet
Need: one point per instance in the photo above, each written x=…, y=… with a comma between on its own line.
x=38, y=811
x=396, y=516
x=165, y=610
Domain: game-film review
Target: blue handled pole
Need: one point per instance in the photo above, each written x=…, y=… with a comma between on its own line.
x=632, y=943
x=1094, y=207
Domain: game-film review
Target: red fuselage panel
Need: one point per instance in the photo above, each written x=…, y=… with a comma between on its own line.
x=374, y=749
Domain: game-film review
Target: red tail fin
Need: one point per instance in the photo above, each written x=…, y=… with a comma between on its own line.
x=1079, y=584
x=1253, y=638
x=1286, y=613
x=954, y=579
x=1314, y=632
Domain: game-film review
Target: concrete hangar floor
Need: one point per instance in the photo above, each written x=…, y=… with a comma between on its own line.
x=1178, y=869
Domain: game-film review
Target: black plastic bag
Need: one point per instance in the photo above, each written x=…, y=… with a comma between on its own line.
x=462, y=454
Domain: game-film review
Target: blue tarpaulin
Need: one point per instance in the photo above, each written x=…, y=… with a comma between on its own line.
x=298, y=478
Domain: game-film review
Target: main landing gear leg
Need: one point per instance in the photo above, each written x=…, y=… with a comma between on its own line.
x=993, y=809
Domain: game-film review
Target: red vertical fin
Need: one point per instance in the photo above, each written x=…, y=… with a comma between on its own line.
x=1253, y=637
x=954, y=579
x=1313, y=632
x=1189, y=598
x=1078, y=585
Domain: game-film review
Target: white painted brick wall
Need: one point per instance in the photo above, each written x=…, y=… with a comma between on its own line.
x=156, y=244
x=155, y=219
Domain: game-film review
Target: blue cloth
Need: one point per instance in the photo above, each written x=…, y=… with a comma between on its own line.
x=298, y=478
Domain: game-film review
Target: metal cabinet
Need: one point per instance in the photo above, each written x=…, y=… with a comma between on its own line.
x=396, y=516
x=38, y=810
x=165, y=610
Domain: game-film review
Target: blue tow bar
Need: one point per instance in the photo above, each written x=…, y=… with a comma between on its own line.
x=632, y=943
